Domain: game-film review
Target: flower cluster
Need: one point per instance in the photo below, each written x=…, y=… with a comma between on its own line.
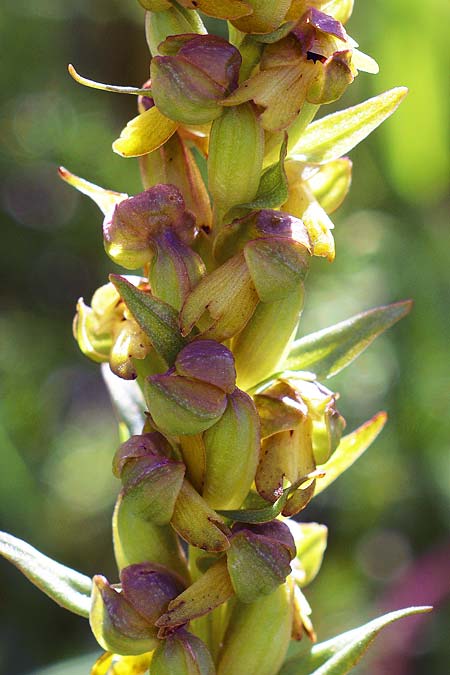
x=226, y=429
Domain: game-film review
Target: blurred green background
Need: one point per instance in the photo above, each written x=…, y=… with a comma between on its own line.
x=388, y=517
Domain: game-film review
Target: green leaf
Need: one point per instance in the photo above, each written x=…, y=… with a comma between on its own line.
x=349, y=449
x=273, y=185
x=65, y=586
x=328, y=351
x=334, y=135
x=128, y=402
x=156, y=318
x=340, y=654
x=268, y=513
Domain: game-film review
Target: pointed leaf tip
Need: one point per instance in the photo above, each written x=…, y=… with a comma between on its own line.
x=333, y=136
x=328, y=351
x=156, y=318
x=349, y=450
x=68, y=588
x=339, y=655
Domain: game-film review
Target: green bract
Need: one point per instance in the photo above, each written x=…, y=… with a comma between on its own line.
x=227, y=430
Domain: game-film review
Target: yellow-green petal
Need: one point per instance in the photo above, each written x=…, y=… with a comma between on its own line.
x=144, y=133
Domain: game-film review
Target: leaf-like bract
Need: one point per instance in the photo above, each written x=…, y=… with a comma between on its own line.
x=68, y=588
x=340, y=654
x=328, y=351
x=334, y=135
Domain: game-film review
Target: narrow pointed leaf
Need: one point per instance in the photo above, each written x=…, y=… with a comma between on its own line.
x=65, y=586
x=339, y=655
x=349, y=449
x=328, y=351
x=128, y=402
x=334, y=135
x=157, y=319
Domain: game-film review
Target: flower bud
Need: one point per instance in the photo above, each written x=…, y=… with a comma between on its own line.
x=316, y=426
x=263, y=224
x=340, y=10
x=314, y=63
x=137, y=223
x=258, y=635
x=174, y=164
x=287, y=454
x=327, y=423
x=303, y=204
x=117, y=626
x=332, y=79
x=220, y=9
x=123, y=619
x=231, y=453
x=107, y=332
x=235, y=158
x=159, y=25
x=208, y=361
x=266, y=16
x=183, y=405
x=195, y=73
x=94, y=327
x=330, y=182
x=258, y=558
x=279, y=409
x=277, y=266
x=182, y=654
x=192, y=397
x=151, y=480
x=174, y=270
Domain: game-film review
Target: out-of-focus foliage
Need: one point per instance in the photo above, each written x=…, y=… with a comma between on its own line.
x=387, y=516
